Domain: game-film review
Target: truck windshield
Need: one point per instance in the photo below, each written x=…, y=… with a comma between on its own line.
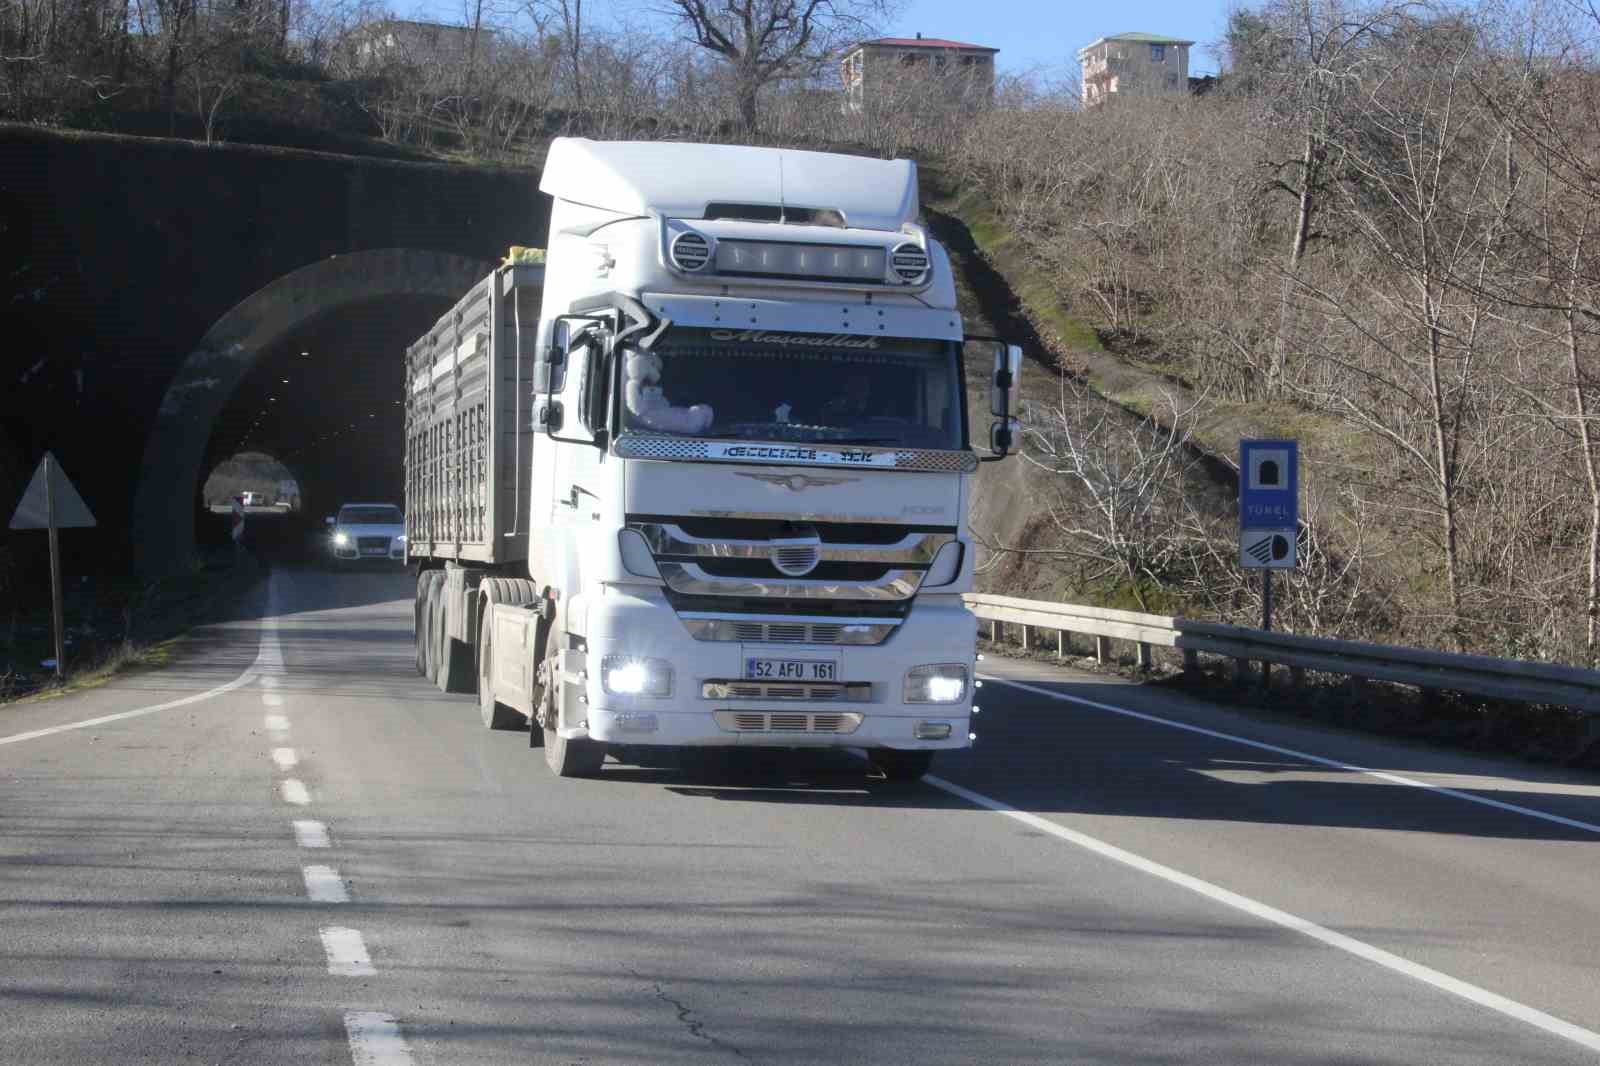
x=803, y=387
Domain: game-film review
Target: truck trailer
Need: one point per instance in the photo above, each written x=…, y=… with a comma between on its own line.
x=698, y=474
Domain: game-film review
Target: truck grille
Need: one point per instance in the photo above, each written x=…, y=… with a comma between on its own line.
x=787, y=632
x=857, y=692
x=786, y=722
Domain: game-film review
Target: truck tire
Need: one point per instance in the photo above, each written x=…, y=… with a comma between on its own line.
x=496, y=715
x=897, y=765
x=421, y=628
x=576, y=757
x=455, y=672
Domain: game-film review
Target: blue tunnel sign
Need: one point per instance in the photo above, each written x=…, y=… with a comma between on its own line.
x=1269, y=503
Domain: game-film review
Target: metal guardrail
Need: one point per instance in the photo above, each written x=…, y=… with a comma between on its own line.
x=1477, y=675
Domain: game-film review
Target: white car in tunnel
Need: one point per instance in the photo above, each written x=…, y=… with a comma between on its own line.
x=370, y=532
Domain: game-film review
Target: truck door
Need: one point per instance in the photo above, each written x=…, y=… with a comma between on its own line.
x=572, y=416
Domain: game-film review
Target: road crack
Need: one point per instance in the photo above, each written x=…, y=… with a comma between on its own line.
x=696, y=1028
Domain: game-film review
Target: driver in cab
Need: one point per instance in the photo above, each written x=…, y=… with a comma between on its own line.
x=853, y=401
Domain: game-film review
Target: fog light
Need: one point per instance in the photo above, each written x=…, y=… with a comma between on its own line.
x=636, y=723
x=936, y=683
x=932, y=730
x=623, y=675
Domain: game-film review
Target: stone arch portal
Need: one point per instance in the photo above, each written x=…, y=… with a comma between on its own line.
x=165, y=501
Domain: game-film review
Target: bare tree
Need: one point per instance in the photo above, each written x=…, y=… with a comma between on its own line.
x=1132, y=473
x=767, y=40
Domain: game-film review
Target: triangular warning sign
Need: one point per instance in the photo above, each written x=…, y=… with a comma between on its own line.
x=33, y=512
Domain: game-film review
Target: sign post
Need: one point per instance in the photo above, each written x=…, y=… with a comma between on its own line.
x=51, y=503
x=1269, y=513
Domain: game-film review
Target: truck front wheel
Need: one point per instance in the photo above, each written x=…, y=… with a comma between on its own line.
x=496, y=715
x=900, y=765
x=575, y=757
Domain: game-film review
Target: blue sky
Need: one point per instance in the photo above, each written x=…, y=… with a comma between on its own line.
x=1048, y=33
x=1042, y=35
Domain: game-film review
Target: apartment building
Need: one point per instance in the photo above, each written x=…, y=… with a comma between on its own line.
x=1133, y=62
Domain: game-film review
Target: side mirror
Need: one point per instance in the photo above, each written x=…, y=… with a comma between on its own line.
x=1003, y=436
x=329, y=521
x=1007, y=380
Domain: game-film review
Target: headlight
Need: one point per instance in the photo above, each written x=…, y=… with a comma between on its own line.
x=341, y=539
x=624, y=675
x=938, y=683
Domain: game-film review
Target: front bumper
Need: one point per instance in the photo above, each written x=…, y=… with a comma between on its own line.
x=638, y=622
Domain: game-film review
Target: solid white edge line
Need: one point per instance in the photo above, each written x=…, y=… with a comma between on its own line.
x=346, y=951
x=285, y=758
x=238, y=682
x=324, y=885
x=268, y=653
x=310, y=834
x=294, y=791
x=1405, y=967
x=375, y=1039
x=1383, y=775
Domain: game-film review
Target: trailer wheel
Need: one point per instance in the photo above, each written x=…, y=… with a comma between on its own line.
x=422, y=619
x=496, y=715
x=900, y=765
x=455, y=673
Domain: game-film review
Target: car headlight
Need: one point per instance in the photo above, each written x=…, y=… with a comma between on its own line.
x=341, y=539
x=936, y=683
x=625, y=675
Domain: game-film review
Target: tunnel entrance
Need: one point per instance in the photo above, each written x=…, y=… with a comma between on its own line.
x=307, y=370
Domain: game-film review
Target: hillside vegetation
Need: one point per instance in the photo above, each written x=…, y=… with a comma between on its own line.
x=1374, y=235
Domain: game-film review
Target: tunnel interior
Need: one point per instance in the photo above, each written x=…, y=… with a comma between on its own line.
x=326, y=400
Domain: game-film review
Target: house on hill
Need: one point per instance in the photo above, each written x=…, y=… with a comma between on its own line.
x=1128, y=62
x=879, y=69
x=414, y=41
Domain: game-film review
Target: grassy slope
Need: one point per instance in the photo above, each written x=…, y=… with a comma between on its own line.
x=1332, y=450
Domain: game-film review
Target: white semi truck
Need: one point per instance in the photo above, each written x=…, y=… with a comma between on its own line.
x=700, y=476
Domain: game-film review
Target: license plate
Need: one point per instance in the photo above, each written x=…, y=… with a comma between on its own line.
x=374, y=551
x=791, y=670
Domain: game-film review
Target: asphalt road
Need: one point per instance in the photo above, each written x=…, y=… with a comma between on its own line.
x=329, y=861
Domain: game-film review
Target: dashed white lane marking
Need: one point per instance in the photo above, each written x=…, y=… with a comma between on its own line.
x=285, y=758
x=277, y=723
x=294, y=792
x=1382, y=775
x=347, y=952
x=375, y=1039
x=323, y=885
x=1405, y=967
x=309, y=834
x=271, y=699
